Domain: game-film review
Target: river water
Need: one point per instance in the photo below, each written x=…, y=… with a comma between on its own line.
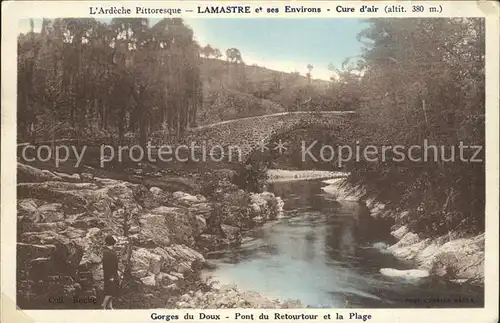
x=327, y=254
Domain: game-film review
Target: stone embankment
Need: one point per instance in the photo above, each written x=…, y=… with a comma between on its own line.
x=161, y=236
x=451, y=257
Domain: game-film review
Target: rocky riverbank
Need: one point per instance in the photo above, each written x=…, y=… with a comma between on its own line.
x=453, y=257
x=228, y=296
x=162, y=236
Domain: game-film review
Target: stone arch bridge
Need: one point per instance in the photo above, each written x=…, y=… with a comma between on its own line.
x=251, y=133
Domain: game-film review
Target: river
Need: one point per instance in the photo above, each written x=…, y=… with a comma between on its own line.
x=324, y=253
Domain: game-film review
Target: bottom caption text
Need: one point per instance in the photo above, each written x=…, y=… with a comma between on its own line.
x=262, y=316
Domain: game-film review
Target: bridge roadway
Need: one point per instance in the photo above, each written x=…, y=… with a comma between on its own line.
x=281, y=114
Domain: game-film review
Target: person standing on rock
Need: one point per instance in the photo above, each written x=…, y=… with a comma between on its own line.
x=110, y=271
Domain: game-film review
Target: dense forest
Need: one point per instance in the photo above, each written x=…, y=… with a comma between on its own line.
x=425, y=80
x=416, y=79
x=88, y=77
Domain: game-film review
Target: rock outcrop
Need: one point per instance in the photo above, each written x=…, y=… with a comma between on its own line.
x=63, y=219
x=455, y=259
x=62, y=225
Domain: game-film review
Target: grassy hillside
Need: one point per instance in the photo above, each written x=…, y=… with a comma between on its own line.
x=226, y=104
x=233, y=91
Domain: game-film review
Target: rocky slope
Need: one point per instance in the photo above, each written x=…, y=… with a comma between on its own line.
x=62, y=220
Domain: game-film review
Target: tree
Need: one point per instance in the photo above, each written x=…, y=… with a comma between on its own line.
x=217, y=54
x=276, y=84
x=424, y=80
x=208, y=51
x=94, y=79
x=345, y=88
x=309, y=69
x=233, y=55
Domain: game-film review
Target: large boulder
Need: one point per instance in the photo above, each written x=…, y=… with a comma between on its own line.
x=149, y=281
x=400, y=232
x=69, y=177
x=156, y=191
x=410, y=251
x=460, y=259
x=426, y=256
x=203, y=209
x=30, y=174
x=86, y=222
x=407, y=240
x=28, y=251
x=188, y=199
x=166, y=279
x=168, y=260
x=143, y=259
x=106, y=198
x=66, y=256
x=406, y=274
x=37, y=211
x=172, y=259
x=185, y=258
x=92, y=245
x=74, y=197
x=160, y=196
x=178, y=224
x=154, y=228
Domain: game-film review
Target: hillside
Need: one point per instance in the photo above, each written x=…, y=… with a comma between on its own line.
x=233, y=91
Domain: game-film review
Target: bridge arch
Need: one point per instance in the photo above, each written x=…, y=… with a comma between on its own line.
x=250, y=134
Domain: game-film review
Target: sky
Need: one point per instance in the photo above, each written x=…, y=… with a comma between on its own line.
x=286, y=45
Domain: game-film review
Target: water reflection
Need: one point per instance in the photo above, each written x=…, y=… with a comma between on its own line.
x=322, y=254
x=347, y=241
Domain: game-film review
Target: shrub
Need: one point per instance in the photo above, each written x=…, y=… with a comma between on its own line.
x=251, y=177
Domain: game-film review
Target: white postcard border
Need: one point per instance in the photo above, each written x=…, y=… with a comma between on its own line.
x=13, y=11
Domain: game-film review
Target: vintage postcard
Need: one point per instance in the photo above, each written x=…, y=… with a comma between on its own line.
x=219, y=161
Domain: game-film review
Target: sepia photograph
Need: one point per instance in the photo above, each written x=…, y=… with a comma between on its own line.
x=250, y=163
